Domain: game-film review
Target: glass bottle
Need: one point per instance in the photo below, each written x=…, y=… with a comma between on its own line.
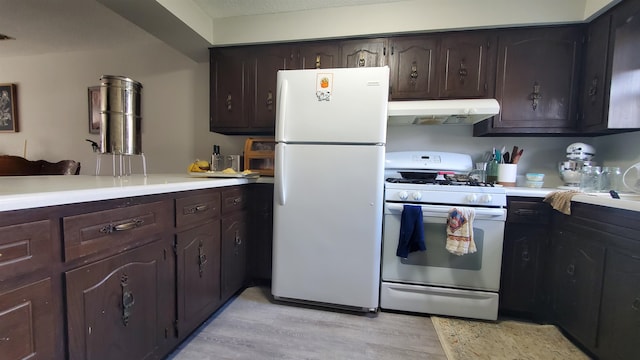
x=492, y=171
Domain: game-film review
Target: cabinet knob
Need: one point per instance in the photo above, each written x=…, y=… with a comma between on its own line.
x=362, y=61
x=318, y=62
x=414, y=72
x=593, y=90
x=636, y=304
x=571, y=269
x=535, y=96
x=269, y=101
x=462, y=72
x=229, y=102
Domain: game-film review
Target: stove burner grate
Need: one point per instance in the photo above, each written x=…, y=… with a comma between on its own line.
x=433, y=181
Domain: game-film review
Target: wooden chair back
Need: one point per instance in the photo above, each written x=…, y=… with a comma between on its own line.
x=17, y=166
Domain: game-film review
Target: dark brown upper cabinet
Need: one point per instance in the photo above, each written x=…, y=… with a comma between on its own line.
x=319, y=56
x=536, y=81
x=624, y=103
x=228, y=81
x=266, y=61
x=412, y=66
x=466, y=65
x=363, y=53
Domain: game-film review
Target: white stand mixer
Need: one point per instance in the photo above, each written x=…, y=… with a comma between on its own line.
x=578, y=156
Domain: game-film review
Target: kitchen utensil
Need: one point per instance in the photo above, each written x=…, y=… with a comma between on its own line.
x=506, y=158
x=515, y=157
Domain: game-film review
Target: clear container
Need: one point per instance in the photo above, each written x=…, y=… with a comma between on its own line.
x=611, y=178
x=492, y=172
x=590, y=179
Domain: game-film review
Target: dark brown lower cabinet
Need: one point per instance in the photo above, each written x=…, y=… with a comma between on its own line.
x=524, y=257
x=27, y=322
x=234, y=243
x=123, y=307
x=577, y=284
x=619, y=333
x=198, y=269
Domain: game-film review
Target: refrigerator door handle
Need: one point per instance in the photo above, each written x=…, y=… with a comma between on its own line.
x=280, y=173
x=281, y=110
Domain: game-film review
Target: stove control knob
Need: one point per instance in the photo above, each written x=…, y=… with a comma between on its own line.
x=403, y=195
x=486, y=198
x=417, y=196
x=472, y=198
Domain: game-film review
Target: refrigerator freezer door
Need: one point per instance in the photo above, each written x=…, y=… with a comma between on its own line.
x=332, y=105
x=328, y=223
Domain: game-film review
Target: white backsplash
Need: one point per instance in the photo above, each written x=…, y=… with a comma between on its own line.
x=541, y=154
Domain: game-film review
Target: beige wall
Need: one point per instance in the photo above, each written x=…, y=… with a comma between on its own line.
x=52, y=104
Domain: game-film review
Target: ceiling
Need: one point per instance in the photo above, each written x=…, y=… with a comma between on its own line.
x=230, y=8
x=48, y=26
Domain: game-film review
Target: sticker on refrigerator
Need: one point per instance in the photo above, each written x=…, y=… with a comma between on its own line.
x=324, y=84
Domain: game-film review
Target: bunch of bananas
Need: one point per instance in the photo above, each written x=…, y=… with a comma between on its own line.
x=198, y=166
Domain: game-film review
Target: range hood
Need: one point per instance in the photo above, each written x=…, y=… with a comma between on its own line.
x=441, y=112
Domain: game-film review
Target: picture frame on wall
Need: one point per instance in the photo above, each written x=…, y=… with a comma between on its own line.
x=8, y=108
x=94, y=109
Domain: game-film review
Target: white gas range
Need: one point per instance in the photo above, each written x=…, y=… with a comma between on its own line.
x=436, y=281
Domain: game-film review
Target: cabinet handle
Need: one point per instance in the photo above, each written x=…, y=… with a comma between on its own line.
x=229, y=102
x=202, y=258
x=236, y=201
x=362, y=61
x=593, y=89
x=527, y=212
x=525, y=255
x=134, y=223
x=535, y=96
x=636, y=304
x=571, y=269
x=195, y=209
x=462, y=72
x=414, y=72
x=318, y=62
x=269, y=101
x=127, y=299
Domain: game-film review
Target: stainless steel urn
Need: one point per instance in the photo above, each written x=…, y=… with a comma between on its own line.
x=120, y=115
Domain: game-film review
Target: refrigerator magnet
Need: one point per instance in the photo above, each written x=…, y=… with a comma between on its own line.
x=324, y=84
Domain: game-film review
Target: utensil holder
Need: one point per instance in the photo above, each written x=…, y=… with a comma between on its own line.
x=507, y=174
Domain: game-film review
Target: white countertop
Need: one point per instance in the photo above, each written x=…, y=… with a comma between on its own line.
x=24, y=192
x=627, y=201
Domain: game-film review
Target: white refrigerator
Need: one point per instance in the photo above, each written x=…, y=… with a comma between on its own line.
x=329, y=183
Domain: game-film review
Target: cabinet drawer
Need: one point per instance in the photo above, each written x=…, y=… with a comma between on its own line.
x=24, y=248
x=26, y=322
x=234, y=198
x=197, y=208
x=114, y=229
x=528, y=212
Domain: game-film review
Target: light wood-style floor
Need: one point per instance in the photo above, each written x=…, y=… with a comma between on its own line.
x=253, y=326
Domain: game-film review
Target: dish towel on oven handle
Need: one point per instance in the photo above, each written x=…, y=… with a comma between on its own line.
x=460, y=231
x=411, y=231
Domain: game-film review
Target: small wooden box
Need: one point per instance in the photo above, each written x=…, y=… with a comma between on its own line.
x=259, y=155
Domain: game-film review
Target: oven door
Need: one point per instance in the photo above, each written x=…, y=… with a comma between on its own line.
x=436, y=266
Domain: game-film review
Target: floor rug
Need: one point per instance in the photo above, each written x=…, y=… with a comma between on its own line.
x=475, y=339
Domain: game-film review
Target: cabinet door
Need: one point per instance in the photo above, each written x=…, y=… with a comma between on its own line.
x=466, y=65
x=266, y=61
x=198, y=266
x=233, y=253
x=363, y=53
x=519, y=281
x=123, y=307
x=577, y=284
x=319, y=56
x=228, y=82
x=259, y=249
x=536, y=80
x=619, y=330
x=624, y=109
x=595, y=80
x=412, y=62
x=27, y=322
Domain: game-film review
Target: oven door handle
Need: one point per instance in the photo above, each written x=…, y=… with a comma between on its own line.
x=443, y=211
